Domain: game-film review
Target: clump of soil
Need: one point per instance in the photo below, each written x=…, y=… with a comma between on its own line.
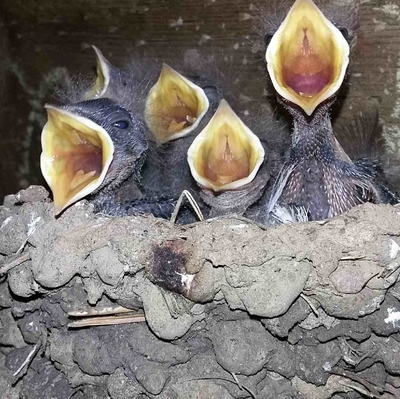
x=232, y=309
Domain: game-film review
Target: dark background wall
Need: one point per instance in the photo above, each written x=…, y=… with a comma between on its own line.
x=37, y=36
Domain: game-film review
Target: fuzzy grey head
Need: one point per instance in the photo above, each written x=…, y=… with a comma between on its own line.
x=90, y=146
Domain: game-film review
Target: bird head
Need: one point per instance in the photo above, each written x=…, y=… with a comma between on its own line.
x=226, y=155
x=307, y=57
x=89, y=146
x=174, y=106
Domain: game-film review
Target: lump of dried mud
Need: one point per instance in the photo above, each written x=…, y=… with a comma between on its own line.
x=222, y=302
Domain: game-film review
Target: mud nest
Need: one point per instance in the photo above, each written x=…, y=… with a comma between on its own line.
x=232, y=309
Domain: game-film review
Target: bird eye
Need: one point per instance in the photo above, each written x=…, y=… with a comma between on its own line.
x=121, y=124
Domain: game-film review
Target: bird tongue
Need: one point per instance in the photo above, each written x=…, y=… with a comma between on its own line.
x=224, y=165
x=306, y=84
x=183, y=118
x=307, y=74
x=81, y=178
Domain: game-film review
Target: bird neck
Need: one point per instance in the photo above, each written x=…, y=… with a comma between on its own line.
x=313, y=138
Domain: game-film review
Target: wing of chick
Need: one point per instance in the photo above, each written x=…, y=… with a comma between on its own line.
x=363, y=140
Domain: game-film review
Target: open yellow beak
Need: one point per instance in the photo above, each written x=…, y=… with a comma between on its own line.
x=307, y=57
x=102, y=76
x=174, y=106
x=226, y=154
x=76, y=155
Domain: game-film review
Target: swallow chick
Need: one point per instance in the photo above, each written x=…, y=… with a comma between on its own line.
x=89, y=149
x=307, y=59
x=224, y=160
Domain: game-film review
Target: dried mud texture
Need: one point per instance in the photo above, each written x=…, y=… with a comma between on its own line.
x=233, y=309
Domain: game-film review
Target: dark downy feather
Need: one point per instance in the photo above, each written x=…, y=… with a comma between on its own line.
x=363, y=140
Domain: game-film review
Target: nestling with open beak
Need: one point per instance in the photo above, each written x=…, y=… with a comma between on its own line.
x=90, y=148
x=225, y=161
x=307, y=59
x=96, y=141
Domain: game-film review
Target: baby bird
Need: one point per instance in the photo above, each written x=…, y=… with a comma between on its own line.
x=307, y=58
x=90, y=148
x=96, y=140
x=229, y=163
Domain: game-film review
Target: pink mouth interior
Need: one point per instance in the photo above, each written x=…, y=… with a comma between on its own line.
x=308, y=71
x=306, y=84
x=87, y=158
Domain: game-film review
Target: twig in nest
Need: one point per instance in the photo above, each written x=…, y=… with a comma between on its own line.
x=21, y=248
x=391, y=268
x=237, y=381
x=358, y=388
x=99, y=312
x=27, y=361
x=366, y=388
x=105, y=317
x=310, y=304
x=352, y=257
x=192, y=202
x=107, y=321
x=14, y=263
